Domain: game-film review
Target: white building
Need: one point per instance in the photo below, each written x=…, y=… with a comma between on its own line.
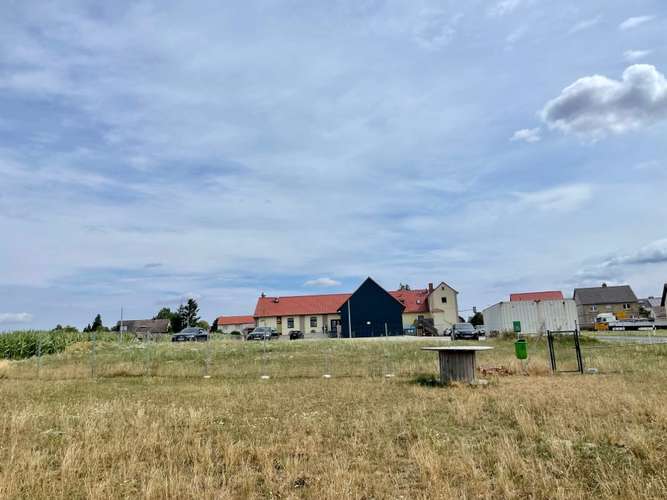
x=229, y=324
x=536, y=315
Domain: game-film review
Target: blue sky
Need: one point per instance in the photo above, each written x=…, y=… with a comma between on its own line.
x=151, y=151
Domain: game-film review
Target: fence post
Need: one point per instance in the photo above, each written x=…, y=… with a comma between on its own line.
x=93, y=354
x=39, y=354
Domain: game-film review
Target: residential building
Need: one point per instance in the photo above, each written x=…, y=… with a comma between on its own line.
x=652, y=308
x=150, y=326
x=229, y=324
x=619, y=300
x=371, y=311
x=320, y=313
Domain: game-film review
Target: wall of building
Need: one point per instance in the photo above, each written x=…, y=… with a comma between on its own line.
x=444, y=314
x=371, y=312
x=535, y=316
x=235, y=328
x=587, y=314
x=301, y=322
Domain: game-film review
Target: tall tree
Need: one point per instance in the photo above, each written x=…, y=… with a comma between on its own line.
x=178, y=319
x=190, y=313
x=477, y=319
x=96, y=326
x=164, y=313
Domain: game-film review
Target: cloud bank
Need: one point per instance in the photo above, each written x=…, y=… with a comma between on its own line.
x=14, y=318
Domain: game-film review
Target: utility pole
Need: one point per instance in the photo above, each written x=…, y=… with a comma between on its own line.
x=349, y=317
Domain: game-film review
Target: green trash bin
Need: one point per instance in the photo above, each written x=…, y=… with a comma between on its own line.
x=521, y=349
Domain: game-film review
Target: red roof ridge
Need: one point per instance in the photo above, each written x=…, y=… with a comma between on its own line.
x=545, y=295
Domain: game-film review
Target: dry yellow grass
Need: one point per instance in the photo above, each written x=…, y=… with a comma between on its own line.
x=357, y=435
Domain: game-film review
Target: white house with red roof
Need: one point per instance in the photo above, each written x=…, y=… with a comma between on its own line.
x=319, y=313
x=229, y=324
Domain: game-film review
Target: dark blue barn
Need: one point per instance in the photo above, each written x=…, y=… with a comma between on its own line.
x=371, y=312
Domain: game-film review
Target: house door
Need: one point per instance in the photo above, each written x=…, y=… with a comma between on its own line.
x=335, y=326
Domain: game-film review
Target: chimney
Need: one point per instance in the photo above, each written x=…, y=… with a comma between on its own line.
x=430, y=287
x=263, y=295
x=604, y=285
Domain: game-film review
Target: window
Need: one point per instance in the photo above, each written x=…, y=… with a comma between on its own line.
x=626, y=306
x=279, y=321
x=594, y=308
x=290, y=322
x=313, y=321
x=443, y=300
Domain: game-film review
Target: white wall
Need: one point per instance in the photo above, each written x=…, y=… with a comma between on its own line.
x=535, y=316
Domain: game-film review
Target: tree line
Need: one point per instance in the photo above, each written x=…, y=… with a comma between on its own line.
x=185, y=316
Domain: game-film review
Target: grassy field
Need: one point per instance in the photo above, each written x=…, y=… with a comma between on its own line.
x=149, y=425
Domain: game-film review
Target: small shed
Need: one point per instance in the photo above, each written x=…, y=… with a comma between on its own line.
x=371, y=311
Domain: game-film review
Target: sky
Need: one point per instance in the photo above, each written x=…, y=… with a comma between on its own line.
x=152, y=151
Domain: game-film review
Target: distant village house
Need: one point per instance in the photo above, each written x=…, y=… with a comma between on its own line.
x=621, y=301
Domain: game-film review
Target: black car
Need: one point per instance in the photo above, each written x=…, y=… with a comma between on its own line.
x=295, y=335
x=464, y=331
x=190, y=334
x=260, y=333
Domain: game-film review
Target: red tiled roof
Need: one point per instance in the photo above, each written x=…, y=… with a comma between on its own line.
x=528, y=296
x=415, y=301
x=235, y=320
x=300, y=305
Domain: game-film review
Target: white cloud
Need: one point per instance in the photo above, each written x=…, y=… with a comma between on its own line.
x=506, y=7
x=634, y=22
x=595, y=106
x=559, y=199
x=516, y=35
x=530, y=135
x=436, y=29
x=10, y=318
x=323, y=282
x=615, y=267
x=636, y=55
x=652, y=253
x=585, y=24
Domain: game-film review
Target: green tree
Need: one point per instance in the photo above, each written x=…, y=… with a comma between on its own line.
x=177, y=320
x=476, y=319
x=203, y=324
x=189, y=313
x=96, y=326
x=164, y=313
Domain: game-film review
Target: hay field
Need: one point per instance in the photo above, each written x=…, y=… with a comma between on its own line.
x=150, y=426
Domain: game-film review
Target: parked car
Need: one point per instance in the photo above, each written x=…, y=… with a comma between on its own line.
x=295, y=335
x=464, y=331
x=190, y=334
x=261, y=333
x=481, y=329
